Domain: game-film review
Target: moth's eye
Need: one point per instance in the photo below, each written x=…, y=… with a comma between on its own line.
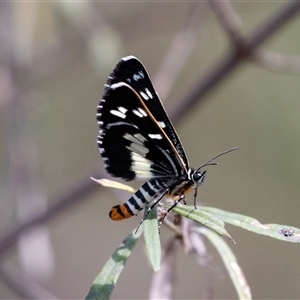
x=199, y=177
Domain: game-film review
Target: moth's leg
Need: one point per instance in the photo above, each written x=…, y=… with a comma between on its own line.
x=181, y=198
x=195, y=197
x=151, y=207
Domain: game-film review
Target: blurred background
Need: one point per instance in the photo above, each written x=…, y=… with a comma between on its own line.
x=54, y=60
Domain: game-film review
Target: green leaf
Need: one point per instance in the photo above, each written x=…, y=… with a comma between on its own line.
x=104, y=283
x=280, y=232
x=235, y=272
x=205, y=218
x=152, y=240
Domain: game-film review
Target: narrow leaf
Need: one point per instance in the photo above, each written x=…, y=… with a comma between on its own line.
x=280, y=232
x=104, y=283
x=207, y=219
x=152, y=240
x=114, y=184
x=235, y=272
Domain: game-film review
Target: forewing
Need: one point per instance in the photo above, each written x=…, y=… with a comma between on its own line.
x=131, y=71
x=132, y=144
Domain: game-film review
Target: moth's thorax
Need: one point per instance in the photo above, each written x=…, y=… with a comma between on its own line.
x=187, y=183
x=182, y=188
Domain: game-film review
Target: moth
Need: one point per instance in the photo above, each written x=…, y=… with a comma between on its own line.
x=138, y=141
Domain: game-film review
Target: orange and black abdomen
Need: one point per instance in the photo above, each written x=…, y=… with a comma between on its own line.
x=120, y=212
x=143, y=196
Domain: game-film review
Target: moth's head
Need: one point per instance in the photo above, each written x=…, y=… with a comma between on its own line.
x=198, y=177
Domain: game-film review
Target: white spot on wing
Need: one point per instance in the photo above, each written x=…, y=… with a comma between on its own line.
x=142, y=112
x=161, y=124
x=143, y=163
x=122, y=109
x=136, y=112
x=155, y=136
x=137, y=138
x=140, y=159
x=139, y=149
x=137, y=146
x=138, y=76
x=144, y=95
x=141, y=166
x=118, y=114
x=149, y=93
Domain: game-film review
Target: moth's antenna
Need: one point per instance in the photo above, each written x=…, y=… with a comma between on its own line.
x=212, y=164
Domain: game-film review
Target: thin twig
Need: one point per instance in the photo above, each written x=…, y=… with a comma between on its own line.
x=77, y=194
x=230, y=20
x=233, y=59
x=232, y=24
x=179, y=51
x=277, y=62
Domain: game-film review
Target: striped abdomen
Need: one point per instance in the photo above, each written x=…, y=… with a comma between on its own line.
x=144, y=195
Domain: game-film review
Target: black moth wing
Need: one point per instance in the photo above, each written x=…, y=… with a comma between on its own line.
x=133, y=141
x=132, y=145
x=131, y=71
